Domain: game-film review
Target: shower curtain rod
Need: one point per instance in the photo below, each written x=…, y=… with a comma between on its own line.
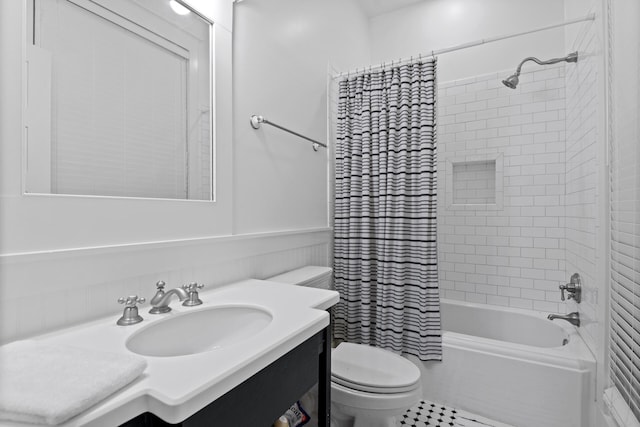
x=589, y=17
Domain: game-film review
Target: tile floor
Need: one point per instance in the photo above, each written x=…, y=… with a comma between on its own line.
x=428, y=414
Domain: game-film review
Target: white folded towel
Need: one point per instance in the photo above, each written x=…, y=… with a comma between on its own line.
x=48, y=384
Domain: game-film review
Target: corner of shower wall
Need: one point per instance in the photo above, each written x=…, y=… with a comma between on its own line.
x=584, y=135
x=587, y=184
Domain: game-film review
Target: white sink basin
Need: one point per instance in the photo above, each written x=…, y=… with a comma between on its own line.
x=199, y=331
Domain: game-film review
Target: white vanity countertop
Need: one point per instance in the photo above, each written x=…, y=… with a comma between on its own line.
x=175, y=388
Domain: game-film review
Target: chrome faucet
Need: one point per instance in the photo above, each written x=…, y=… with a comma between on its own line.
x=573, y=318
x=160, y=301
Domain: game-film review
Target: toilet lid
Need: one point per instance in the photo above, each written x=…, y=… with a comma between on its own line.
x=304, y=276
x=367, y=368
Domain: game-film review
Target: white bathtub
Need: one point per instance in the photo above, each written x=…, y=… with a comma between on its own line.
x=512, y=366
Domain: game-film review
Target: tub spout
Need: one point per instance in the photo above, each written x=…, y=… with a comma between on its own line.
x=573, y=318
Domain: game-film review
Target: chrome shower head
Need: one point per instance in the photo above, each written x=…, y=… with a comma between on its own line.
x=512, y=81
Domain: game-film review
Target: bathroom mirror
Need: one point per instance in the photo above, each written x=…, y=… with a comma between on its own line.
x=119, y=99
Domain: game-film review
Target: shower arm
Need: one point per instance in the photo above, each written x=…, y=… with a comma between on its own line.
x=572, y=57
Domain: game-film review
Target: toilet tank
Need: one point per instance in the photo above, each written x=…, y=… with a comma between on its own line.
x=312, y=276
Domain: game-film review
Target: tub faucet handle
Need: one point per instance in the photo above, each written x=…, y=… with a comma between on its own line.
x=562, y=289
x=573, y=288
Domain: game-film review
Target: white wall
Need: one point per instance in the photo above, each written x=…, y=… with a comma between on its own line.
x=65, y=260
x=283, y=48
x=436, y=24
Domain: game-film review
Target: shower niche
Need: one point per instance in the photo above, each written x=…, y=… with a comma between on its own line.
x=474, y=182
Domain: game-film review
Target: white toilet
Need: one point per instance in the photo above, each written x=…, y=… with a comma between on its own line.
x=369, y=386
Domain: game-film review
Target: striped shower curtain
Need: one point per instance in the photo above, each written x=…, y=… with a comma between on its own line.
x=385, y=258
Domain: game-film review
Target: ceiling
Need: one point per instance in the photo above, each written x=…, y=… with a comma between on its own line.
x=377, y=7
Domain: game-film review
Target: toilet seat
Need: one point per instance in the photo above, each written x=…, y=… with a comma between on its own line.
x=375, y=390
x=374, y=370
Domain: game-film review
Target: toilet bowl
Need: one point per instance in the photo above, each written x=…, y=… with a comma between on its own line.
x=370, y=386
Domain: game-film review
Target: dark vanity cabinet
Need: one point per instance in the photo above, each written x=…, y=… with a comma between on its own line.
x=261, y=399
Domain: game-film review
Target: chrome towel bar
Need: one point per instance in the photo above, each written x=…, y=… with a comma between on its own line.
x=257, y=120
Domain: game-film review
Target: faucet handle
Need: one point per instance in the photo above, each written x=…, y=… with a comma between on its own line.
x=192, y=287
x=562, y=289
x=160, y=285
x=131, y=300
x=573, y=288
x=130, y=315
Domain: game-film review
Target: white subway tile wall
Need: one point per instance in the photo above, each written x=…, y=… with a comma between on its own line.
x=581, y=176
x=510, y=254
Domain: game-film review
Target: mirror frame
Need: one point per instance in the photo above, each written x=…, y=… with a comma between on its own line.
x=212, y=119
